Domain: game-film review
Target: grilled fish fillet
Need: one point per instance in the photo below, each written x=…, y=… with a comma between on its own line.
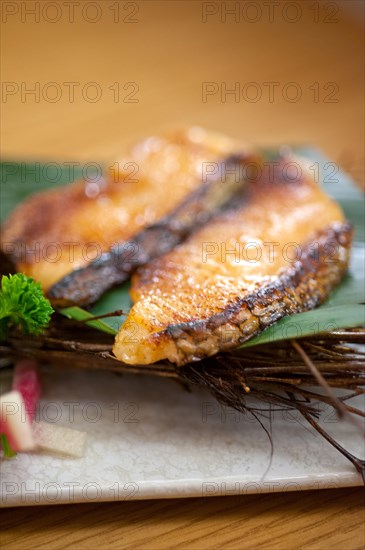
x=83, y=238
x=278, y=251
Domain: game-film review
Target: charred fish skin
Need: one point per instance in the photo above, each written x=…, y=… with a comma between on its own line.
x=111, y=225
x=84, y=286
x=305, y=287
x=186, y=309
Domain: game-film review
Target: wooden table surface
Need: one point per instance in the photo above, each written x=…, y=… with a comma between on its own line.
x=142, y=67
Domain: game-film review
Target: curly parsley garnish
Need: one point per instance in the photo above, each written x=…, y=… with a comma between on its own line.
x=23, y=304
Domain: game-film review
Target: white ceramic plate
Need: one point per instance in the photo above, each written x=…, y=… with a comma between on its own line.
x=150, y=438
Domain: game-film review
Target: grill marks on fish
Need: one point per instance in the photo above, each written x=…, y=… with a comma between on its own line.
x=105, y=229
x=86, y=285
x=188, y=306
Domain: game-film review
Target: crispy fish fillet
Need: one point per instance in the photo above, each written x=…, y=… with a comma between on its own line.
x=279, y=251
x=83, y=238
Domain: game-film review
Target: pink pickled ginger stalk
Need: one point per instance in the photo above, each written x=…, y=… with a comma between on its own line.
x=26, y=381
x=17, y=419
x=17, y=408
x=14, y=424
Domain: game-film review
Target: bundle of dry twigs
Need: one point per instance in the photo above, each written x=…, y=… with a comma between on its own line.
x=290, y=374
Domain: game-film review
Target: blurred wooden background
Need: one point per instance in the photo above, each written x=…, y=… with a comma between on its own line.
x=166, y=51
x=142, y=67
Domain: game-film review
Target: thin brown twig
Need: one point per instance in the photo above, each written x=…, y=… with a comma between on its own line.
x=336, y=403
x=321, y=381
x=116, y=313
x=357, y=462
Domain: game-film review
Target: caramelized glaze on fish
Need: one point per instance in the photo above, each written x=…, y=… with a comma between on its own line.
x=83, y=238
x=279, y=250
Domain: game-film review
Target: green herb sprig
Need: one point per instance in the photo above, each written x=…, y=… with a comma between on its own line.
x=22, y=304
